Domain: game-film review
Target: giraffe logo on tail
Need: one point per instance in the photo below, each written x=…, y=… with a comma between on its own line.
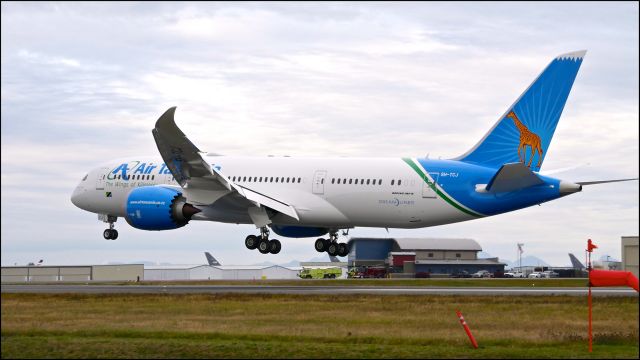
x=526, y=138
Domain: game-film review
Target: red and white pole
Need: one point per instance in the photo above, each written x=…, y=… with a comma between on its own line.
x=466, y=328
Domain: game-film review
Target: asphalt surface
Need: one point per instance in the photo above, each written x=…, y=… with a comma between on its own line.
x=308, y=290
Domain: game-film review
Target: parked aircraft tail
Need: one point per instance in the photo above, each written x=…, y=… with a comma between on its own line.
x=212, y=261
x=524, y=132
x=576, y=263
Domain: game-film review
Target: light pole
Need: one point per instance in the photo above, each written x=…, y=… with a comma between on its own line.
x=520, y=245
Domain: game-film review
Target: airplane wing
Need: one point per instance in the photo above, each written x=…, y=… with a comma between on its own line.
x=511, y=177
x=196, y=176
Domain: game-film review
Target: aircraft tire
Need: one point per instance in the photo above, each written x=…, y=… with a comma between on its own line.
x=251, y=242
x=343, y=249
x=114, y=234
x=333, y=248
x=321, y=245
x=264, y=246
x=275, y=246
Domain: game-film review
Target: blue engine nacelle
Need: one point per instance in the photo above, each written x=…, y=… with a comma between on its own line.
x=158, y=208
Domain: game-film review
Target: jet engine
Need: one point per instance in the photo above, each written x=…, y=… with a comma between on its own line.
x=158, y=208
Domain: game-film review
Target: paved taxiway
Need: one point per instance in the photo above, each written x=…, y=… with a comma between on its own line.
x=320, y=290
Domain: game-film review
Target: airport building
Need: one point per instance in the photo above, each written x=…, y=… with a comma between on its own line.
x=129, y=272
x=630, y=254
x=223, y=272
x=421, y=256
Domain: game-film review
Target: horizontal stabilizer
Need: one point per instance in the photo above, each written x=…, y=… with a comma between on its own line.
x=603, y=181
x=512, y=177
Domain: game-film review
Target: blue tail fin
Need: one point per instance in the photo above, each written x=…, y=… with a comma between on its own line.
x=524, y=132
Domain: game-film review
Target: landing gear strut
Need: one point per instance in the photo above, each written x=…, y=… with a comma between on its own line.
x=111, y=233
x=331, y=245
x=262, y=243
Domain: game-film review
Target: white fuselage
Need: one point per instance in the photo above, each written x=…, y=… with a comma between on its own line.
x=327, y=192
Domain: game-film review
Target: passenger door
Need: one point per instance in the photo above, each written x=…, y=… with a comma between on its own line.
x=318, y=182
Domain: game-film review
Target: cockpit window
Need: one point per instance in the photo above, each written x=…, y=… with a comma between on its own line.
x=85, y=177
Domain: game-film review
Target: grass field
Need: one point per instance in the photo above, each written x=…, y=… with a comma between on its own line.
x=304, y=326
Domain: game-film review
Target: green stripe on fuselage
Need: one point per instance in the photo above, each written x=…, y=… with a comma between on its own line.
x=440, y=193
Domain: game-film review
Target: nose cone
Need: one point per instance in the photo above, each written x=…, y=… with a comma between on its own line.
x=76, y=197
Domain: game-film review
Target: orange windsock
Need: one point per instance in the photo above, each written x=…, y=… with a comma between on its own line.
x=613, y=278
x=591, y=246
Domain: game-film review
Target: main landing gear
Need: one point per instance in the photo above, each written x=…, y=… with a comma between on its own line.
x=110, y=233
x=332, y=246
x=262, y=243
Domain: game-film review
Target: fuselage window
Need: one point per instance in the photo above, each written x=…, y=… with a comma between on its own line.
x=271, y=180
x=299, y=180
x=322, y=181
x=361, y=181
x=282, y=179
x=368, y=181
x=350, y=181
x=333, y=180
x=379, y=181
x=276, y=179
x=85, y=177
x=339, y=181
x=260, y=179
x=288, y=180
x=399, y=182
x=153, y=177
x=392, y=181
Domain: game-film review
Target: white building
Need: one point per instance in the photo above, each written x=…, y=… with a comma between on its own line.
x=223, y=272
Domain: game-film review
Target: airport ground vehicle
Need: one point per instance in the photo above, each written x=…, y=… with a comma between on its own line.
x=482, y=274
x=461, y=274
x=549, y=274
x=320, y=273
x=374, y=272
x=535, y=275
x=512, y=274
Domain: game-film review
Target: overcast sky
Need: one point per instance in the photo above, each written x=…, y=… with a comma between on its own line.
x=83, y=83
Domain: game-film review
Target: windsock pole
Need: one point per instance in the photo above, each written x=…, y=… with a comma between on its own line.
x=590, y=247
x=466, y=328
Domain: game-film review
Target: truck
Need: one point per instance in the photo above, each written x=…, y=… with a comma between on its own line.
x=320, y=273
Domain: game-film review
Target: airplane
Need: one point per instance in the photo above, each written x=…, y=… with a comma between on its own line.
x=313, y=197
x=211, y=260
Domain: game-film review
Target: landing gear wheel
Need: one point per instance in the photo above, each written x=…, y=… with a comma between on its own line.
x=264, y=246
x=251, y=242
x=343, y=249
x=114, y=234
x=321, y=245
x=333, y=248
x=107, y=234
x=275, y=246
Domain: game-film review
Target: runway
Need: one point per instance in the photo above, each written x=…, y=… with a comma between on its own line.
x=309, y=290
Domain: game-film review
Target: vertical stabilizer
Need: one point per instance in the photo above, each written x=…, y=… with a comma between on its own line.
x=212, y=261
x=524, y=132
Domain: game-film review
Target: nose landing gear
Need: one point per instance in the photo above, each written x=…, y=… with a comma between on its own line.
x=111, y=233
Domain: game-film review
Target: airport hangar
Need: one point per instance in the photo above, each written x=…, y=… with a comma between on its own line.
x=410, y=257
